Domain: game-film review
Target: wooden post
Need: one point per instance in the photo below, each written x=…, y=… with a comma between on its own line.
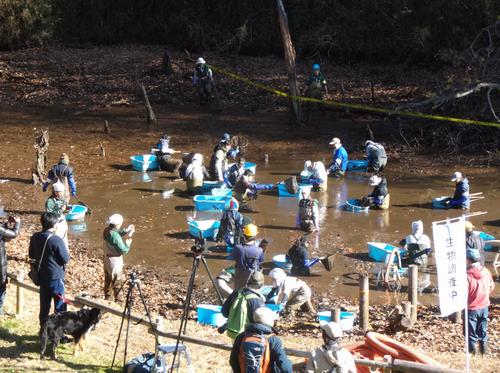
x=413, y=290
x=289, y=51
x=107, y=130
x=364, y=303
x=41, y=147
x=19, y=293
x=150, y=115
x=336, y=315
x=406, y=308
x=457, y=317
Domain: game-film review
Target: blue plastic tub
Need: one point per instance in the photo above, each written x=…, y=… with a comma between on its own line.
x=209, y=185
x=208, y=228
x=77, y=212
x=211, y=203
x=209, y=314
x=225, y=192
x=355, y=205
x=250, y=166
x=357, y=165
x=438, y=203
x=379, y=251
x=280, y=261
x=346, y=318
x=274, y=307
x=282, y=192
x=486, y=237
x=144, y=162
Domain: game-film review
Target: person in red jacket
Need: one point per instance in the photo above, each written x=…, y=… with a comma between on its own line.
x=480, y=284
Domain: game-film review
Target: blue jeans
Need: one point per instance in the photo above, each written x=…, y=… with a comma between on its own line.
x=49, y=292
x=477, y=323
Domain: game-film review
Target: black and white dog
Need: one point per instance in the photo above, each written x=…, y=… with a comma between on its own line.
x=76, y=324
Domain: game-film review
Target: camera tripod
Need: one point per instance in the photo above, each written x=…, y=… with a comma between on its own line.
x=133, y=283
x=199, y=250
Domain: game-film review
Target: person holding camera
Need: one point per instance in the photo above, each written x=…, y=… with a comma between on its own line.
x=8, y=231
x=117, y=242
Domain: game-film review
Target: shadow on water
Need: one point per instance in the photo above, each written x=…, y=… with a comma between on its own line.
x=493, y=223
x=279, y=227
x=24, y=212
x=121, y=167
x=179, y=235
x=417, y=205
x=184, y=208
x=152, y=191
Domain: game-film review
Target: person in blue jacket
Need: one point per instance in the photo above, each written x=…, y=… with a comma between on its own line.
x=461, y=197
x=62, y=172
x=339, y=163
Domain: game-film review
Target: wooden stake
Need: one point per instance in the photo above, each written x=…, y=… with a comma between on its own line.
x=150, y=115
x=107, y=130
x=41, y=148
x=336, y=315
x=413, y=291
x=289, y=51
x=364, y=303
x=19, y=293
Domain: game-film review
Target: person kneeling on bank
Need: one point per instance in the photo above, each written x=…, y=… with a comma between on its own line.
x=292, y=293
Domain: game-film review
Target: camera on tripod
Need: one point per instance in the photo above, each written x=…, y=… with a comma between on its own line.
x=199, y=245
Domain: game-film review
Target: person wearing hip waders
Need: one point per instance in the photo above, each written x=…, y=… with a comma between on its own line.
x=248, y=257
x=117, y=242
x=308, y=214
x=231, y=225
x=292, y=293
x=164, y=154
x=299, y=256
x=195, y=174
x=339, y=162
x=461, y=197
x=376, y=156
x=379, y=197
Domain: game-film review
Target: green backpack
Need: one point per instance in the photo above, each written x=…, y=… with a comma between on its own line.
x=238, y=314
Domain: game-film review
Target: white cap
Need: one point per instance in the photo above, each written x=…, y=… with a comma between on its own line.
x=197, y=157
x=332, y=329
x=58, y=187
x=115, y=219
x=264, y=315
x=417, y=228
x=456, y=175
x=334, y=141
x=200, y=60
x=374, y=180
x=277, y=275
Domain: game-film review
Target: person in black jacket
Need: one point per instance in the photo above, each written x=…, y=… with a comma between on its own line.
x=8, y=231
x=52, y=270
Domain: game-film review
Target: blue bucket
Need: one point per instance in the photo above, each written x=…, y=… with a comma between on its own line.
x=274, y=307
x=346, y=318
x=438, y=203
x=208, y=228
x=209, y=314
x=357, y=165
x=210, y=203
x=281, y=262
x=144, y=162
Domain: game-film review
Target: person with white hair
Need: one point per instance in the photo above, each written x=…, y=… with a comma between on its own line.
x=308, y=214
x=376, y=156
x=195, y=174
x=461, y=197
x=379, y=197
x=331, y=357
x=319, y=177
x=258, y=348
x=117, y=242
x=292, y=293
x=339, y=163
x=57, y=204
x=306, y=174
x=202, y=80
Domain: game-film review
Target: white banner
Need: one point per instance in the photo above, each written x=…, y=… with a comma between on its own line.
x=449, y=248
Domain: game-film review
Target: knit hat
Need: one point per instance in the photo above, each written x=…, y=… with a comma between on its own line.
x=264, y=315
x=64, y=158
x=256, y=280
x=58, y=187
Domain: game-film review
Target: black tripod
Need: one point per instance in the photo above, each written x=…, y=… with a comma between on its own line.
x=199, y=250
x=133, y=283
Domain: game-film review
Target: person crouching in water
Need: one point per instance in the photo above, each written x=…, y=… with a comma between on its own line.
x=292, y=293
x=57, y=203
x=308, y=214
x=379, y=197
x=299, y=256
x=330, y=357
x=195, y=174
x=319, y=177
x=461, y=197
x=164, y=154
x=117, y=242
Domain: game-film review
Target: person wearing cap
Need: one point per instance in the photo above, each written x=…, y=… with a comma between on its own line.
x=316, y=85
x=480, y=286
x=250, y=293
x=339, y=163
x=331, y=357
x=234, y=172
x=57, y=204
x=231, y=225
x=377, y=158
x=195, y=174
x=308, y=214
x=164, y=154
x=379, y=197
x=8, y=231
x=306, y=174
x=248, y=256
x=250, y=347
x=62, y=172
x=218, y=162
x=474, y=241
x=224, y=280
x=245, y=189
x=117, y=242
x=461, y=197
x=319, y=177
x=202, y=79
x=292, y=293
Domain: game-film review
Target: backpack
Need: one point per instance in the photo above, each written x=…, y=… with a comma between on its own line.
x=238, y=314
x=255, y=355
x=306, y=208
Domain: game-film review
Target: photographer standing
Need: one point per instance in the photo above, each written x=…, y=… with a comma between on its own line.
x=116, y=243
x=8, y=231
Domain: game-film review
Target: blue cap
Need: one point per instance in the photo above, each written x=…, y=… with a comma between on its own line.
x=316, y=66
x=226, y=137
x=473, y=255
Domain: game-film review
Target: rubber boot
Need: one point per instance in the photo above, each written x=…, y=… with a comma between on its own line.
x=473, y=348
x=327, y=262
x=308, y=307
x=483, y=347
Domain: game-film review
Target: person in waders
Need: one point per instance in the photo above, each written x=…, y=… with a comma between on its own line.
x=319, y=177
x=117, y=243
x=57, y=204
x=308, y=214
x=195, y=174
x=62, y=172
x=376, y=156
x=218, y=162
x=248, y=256
x=231, y=225
x=461, y=197
x=202, y=80
x=234, y=172
x=298, y=255
x=316, y=87
x=339, y=162
x=379, y=197
x=164, y=154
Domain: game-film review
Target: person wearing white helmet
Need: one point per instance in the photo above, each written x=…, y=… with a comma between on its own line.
x=117, y=242
x=195, y=174
x=316, y=87
x=379, y=197
x=292, y=293
x=376, y=156
x=331, y=357
x=461, y=197
x=340, y=158
x=57, y=203
x=202, y=79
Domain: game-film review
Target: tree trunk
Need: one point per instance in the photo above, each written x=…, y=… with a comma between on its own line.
x=150, y=115
x=41, y=147
x=289, y=51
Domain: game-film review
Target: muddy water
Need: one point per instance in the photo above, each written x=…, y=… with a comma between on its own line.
x=161, y=237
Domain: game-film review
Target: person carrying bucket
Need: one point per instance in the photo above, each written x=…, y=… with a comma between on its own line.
x=339, y=163
x=248, y=257
x=376, y=156
x=63, y=173
x=331, y=357
x=57, y=204
x=292, y=293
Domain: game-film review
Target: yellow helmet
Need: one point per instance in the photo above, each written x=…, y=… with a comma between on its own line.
x=250, y=230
